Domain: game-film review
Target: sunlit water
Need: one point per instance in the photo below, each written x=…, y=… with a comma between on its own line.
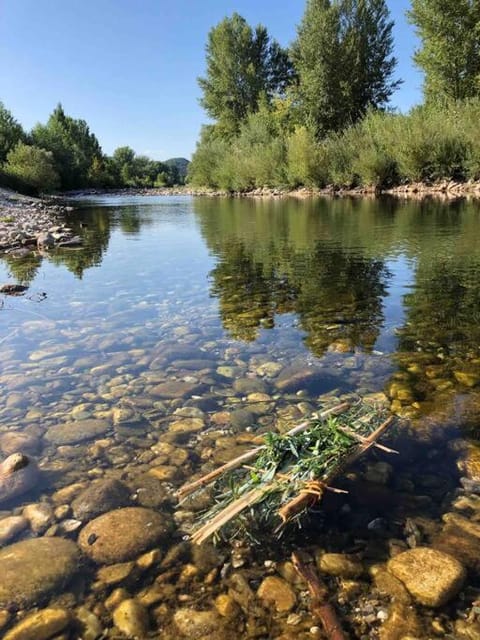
x=349, y=296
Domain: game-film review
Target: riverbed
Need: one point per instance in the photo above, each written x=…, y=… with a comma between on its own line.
x=181, y=330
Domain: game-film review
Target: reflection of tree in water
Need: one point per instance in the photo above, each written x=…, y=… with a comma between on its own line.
x=340, y=299
x=249, y=296
x=94, y=226
x=23, y=269
x=443, y=311
x=268, y=265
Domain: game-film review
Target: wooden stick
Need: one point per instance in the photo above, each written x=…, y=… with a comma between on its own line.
x=187, y=489
x=321, y=608
x=362, y=439
x=307, y=500
x=230, y=512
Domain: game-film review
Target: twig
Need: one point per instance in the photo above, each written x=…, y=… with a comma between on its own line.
x=187, y=489
x=321, y=608
x=307, y=500
x=229, y=513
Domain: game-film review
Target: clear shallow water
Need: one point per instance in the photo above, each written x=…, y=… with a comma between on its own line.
x=306, y=300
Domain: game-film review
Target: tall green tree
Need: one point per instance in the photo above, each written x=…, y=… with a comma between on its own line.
x=242, y=65
x=73, y=146
x=449, y=54
x=11, y=132
x=344, y=59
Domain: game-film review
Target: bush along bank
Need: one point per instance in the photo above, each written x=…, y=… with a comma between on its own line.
x=432, y=149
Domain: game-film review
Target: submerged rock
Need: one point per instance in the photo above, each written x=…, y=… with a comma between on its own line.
x=131, y=618
x=100, y=497
x=196, y=625
x=9, y=527
x=431, y=577
x=121, y=535
x=13, y=441
x=338, y=564
x=278, y=592
x=40, y=625
x=18, y=474
x=78, y=431
x=32, y=569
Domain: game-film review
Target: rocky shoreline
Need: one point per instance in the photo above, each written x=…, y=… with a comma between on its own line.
x=445, y=189
x=28, y=224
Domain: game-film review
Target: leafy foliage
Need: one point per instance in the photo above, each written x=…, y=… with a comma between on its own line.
x=243, y=64
x=343, y=58
x=449, y=54
x=11, y=132
x=33, y=166
x=286, y=465
x=72, y=145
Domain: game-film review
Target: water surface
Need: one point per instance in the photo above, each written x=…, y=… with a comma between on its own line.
x=214, y=300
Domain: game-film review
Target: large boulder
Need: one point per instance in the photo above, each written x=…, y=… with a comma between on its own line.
x=123, y=534
x=33, y=569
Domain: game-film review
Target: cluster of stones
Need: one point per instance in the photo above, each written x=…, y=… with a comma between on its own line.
x=113, y=447
x=29, y=223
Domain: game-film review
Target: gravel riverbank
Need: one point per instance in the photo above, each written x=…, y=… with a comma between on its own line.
x=28, y=223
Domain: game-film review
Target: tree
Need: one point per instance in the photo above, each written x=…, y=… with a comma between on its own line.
x=11, y=132
x=242, y=65
x=343, y=58
x=449, y=55
x=33, y=166
x=72, y=144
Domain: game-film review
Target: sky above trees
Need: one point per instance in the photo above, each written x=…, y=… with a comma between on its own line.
x=130, y=68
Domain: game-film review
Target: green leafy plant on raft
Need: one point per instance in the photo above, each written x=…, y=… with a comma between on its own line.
x=289, y=473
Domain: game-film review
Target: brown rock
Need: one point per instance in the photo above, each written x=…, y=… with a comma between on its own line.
x=32, y=569
x=40, y=625
x=431, y=577
x=123, y=534
x=338, y=564
x=402, y=622
x=77, y=431
x=275, y=590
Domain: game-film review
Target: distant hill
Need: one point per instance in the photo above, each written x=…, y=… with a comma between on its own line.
x=181, y=165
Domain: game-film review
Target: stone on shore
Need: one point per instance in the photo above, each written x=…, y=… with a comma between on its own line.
x=431, y=576
x=32, y=569
x=78, y=431
x=123, y=534
x=40, y=625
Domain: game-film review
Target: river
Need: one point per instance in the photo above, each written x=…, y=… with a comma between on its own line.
x=187, y=326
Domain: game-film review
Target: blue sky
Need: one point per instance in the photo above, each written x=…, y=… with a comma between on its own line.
x=129, y=67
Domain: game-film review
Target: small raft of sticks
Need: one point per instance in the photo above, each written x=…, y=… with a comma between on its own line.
x=289, y=473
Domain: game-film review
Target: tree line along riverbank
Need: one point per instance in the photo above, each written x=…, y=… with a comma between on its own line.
x=318, y=113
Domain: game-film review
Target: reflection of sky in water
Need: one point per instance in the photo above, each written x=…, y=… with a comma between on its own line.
x=402, y=271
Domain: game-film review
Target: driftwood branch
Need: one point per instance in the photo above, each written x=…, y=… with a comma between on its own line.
x=321, y=609
x=205, y=480
x=307, y=499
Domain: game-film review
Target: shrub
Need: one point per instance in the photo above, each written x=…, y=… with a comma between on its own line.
x=32, y=166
